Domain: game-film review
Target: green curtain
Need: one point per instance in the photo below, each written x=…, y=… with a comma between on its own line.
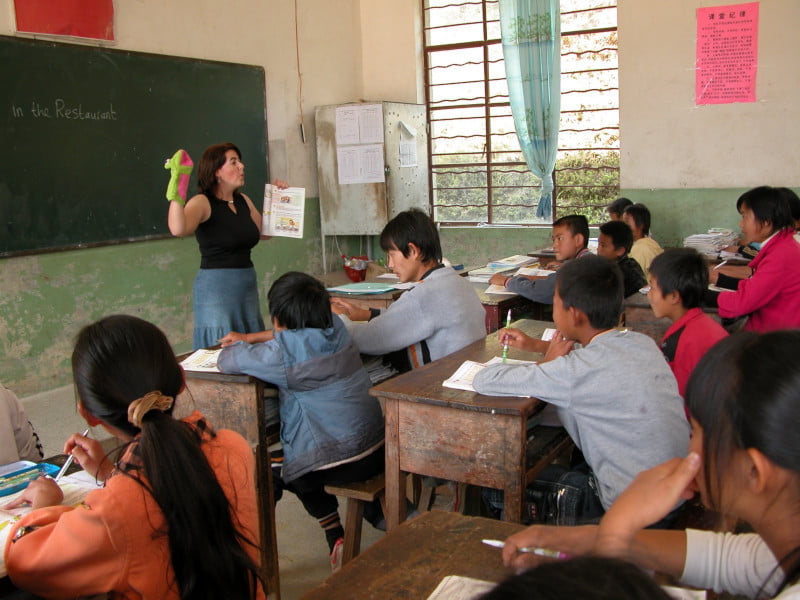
x=531, y=32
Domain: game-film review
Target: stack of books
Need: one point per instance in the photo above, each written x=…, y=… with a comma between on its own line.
x=711, y=243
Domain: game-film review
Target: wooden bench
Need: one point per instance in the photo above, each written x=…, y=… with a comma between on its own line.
x=545, y=444
x=358, y=494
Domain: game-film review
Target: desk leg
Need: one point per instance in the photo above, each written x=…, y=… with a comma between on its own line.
x=395, y=478
x=515, y=469
x=492, y=319
x=269, y=541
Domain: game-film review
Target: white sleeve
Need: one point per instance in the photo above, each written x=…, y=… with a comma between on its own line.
x=724, y=562
x=18, y=440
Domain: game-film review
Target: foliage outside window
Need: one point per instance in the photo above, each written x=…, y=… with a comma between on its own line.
x=478, y=173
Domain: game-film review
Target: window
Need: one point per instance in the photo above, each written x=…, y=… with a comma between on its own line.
x=478, y=173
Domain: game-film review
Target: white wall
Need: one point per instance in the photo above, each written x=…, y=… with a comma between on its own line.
x=669, y=142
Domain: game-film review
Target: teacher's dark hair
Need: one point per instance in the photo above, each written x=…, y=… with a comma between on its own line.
x=745, y=393
x=210, y=162
x=412, y=227
x=297, y=301
x=118, y=360
x=593, y=285
x=585, y=577
x=769, y=205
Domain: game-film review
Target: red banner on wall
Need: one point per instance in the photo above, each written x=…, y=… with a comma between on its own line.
x=92, y=19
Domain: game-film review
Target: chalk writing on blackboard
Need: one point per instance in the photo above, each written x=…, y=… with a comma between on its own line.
x=60, y=109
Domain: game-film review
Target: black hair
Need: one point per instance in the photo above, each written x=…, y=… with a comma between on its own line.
x=585, y=577
x=577, y=224
x=297, y=301
x=593, y=285
x=745, y=393
x=210, y=162
x=641, y=216
x=120, y=359
x=620, y=234
x=618, y=206
x=793, y=200
x=681, y=270
x=412, y=227
x=769, y=205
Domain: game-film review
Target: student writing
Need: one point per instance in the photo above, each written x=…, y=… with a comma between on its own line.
x=614, y=394
x=771, y=295
x=439, y=315
x=744, y=461
x=570, y=241
x=177, y=517
x=331, y=428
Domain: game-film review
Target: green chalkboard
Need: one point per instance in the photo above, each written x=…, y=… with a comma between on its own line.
x=86, y=131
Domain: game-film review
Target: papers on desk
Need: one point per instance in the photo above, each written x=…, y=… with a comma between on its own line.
x=388, y=276
x=202, y=360
x=518, y=260
x=712, y=242
x=75, y=488
x=365, y=287
x=465, y=374
x=457, y=587
x=498, y=289
x=484, y=274
x=535, y=272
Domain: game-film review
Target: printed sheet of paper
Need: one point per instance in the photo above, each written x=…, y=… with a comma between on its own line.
x=465, y=374
x=202, y=360
x=360, y=164
x=726, y=54
x=359, y=124
x=457, y=587
x=284, y=212
x=498, y=289
x=408, y=145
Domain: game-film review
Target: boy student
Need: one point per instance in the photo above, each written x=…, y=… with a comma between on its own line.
x=439, y=315
x=645, y=248
x=331, y=429
x=570, y=241
x=617, y=208
x=614, y=243
x=614, y=393
x=678, y=281
x=18, y=440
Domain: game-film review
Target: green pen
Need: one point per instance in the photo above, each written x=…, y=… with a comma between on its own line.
x=505, y=340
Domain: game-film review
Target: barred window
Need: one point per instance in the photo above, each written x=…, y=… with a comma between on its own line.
x=478, y=172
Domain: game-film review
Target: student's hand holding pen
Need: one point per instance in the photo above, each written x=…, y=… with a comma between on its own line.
x=90, y=455
x=559, y=346
x=516, y=339
x=574, y=541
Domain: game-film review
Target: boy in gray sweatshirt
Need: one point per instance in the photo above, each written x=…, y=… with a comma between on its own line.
x=613, y=390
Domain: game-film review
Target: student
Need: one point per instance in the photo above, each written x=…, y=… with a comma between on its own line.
x=177, y=517
x=570, y=241
x=614, y=243
x=18, y=439
x=617, y=208
x=744, y=460
x=614, y=394
x=645, y=248
x=439, y=315
x=678, y=281
x=331, y=428
x=771, y=295
x=585, y=577
x=227, y=226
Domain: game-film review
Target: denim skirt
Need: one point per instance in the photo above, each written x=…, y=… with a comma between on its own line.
x=225, y=300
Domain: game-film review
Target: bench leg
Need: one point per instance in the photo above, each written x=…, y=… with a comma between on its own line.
x=352, y=529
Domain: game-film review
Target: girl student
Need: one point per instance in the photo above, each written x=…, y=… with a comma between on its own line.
x=744, y=459
x=177, y=517
x=771, y=295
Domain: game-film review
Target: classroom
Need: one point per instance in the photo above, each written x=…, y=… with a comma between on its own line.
x=687, y=163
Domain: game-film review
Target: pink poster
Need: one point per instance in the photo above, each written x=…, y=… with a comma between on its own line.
x=727, y=54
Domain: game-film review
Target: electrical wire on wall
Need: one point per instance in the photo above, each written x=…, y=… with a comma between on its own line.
x=299, y=75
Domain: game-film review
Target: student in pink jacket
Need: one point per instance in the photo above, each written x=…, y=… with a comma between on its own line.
x=771, y=295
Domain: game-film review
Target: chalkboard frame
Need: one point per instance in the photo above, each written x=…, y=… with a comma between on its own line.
x=90, y=172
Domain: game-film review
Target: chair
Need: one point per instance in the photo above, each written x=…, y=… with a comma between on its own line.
x=358, y=494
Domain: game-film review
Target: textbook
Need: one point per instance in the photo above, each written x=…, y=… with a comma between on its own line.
x=484, y=274
x=465, y=374
x=202, y=360
x=284, y=211
x=518, y=260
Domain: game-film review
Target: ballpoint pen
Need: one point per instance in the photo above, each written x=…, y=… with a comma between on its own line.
x=69, y=460
x=530, y=550
x=505, y=339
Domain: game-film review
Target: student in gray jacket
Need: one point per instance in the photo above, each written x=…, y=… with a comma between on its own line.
x=331, y=428
x=439, y=315
x=614, y=393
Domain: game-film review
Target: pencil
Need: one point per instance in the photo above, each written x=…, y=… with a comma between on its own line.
x=69, y=460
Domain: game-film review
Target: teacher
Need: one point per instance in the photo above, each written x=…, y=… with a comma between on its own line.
x=227, y=226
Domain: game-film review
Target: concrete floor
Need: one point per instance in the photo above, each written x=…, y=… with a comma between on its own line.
x=303, y=553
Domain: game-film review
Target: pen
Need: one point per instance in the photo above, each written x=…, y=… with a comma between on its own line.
x=505, y=341
x=722, y=264
x=530, y=550
x=69, y=460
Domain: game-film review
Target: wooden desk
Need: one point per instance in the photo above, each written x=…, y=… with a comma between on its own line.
x=639, y=317
x=545, y=255
x=498, y=305
x=410, y=561
x=455, y=434
x=237, y=402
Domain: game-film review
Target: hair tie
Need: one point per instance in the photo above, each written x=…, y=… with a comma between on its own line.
x=141, y=406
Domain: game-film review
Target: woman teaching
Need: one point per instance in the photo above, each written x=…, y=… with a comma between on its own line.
x=227, y=226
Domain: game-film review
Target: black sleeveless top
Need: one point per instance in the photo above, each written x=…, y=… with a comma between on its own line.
x=226, y=238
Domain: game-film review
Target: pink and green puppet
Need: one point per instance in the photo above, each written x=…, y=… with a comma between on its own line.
x=180, y=167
